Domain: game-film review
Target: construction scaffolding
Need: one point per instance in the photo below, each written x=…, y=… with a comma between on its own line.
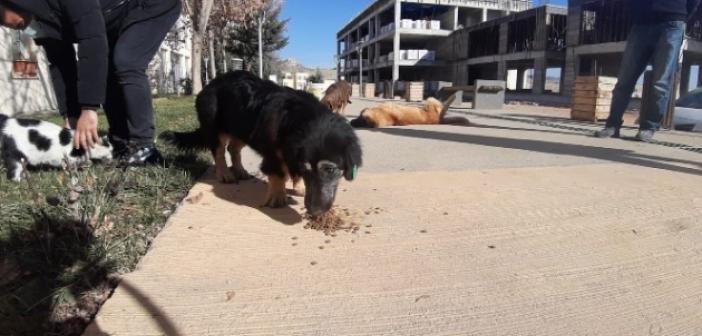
x=484, y=42
x=557, y=31
x=605, y=21
x=522, y=34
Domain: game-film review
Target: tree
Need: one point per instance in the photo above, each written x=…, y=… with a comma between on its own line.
x=317, y=77
x=243, y=39
x=222, y=12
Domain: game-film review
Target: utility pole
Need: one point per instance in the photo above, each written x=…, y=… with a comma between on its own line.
x=207, y=74
x=224, y=56
x=360, y=71
x=261, y=21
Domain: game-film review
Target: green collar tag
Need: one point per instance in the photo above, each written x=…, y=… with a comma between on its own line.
x=354, y=172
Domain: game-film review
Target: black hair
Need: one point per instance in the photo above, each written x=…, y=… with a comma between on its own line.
x=13, y=6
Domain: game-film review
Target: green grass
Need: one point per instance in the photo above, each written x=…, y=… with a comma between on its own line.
x=64, y=233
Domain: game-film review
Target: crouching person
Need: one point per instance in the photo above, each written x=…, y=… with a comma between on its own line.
x=116, y=41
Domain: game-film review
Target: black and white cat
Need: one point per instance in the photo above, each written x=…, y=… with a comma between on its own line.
x=41, y=143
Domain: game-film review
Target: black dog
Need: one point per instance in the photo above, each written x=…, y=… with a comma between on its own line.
x=296, y=135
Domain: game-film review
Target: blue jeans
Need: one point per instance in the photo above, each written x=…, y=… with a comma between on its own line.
x=660, y=45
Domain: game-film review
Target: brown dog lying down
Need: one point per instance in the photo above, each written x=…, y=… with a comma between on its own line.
x=390, y=114
x=337, y=96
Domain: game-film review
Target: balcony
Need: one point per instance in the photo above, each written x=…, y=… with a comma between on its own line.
x=507, y=5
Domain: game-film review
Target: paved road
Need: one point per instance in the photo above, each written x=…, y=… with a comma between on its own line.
x=509, y=227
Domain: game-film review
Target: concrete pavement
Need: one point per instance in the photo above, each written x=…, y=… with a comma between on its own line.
x=518, y=225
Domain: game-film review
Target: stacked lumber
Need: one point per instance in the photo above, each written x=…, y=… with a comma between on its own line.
x=355, y=90
x=414, y=91
x=592, y=97
x=369, y=90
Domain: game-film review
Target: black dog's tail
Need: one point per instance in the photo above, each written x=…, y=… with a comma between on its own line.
x=184, y=140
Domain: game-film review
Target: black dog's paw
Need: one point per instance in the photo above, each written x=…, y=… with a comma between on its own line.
x=276, y=201
x=226, y=177
x=240, y=174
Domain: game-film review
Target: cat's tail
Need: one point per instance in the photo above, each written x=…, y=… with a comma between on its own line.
x=184, y=140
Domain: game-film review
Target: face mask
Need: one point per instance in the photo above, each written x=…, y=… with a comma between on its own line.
x=33, y=30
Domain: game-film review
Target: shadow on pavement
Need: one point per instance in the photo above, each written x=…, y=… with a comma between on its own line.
x=600, y=153
x=252, y=193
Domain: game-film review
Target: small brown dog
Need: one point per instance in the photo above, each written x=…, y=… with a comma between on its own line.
x=390, y=114
x=337, y=96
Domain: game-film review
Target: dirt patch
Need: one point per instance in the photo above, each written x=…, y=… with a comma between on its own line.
x=332, y=221
x=71, y=319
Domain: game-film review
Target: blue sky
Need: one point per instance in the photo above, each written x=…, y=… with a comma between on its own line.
x=314, y=23
x=313, y=26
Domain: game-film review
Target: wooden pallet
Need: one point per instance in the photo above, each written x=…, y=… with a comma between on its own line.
x=369, y=90
x=592, y=97
x=355, y=90
x=414, y=91
x=592, y=94
x=579, y=100
x=593, y=87
x=595, y=80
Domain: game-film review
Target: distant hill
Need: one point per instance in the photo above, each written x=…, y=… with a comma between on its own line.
x=292, y=65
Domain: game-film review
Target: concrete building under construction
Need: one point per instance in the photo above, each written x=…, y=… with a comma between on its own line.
x=399, y=39
x=536, y=50
x=515, y=48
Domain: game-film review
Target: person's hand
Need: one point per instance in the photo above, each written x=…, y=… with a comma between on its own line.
x=86, y=134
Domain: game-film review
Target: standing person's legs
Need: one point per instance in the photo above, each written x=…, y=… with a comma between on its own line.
x=63, y=69
x=665, y=64
x=115, y=110
x=134, y=48
x=639, y=50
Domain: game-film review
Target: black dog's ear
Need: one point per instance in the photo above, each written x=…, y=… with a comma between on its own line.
x=352, y=160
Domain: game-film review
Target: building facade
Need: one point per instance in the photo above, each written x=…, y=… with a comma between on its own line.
x=519, y=48
x=535, y=50
x=25, y=83
x=170, y=70
x=400, y=40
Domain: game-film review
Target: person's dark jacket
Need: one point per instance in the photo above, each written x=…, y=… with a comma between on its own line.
x=85, y=22
x=655, y=11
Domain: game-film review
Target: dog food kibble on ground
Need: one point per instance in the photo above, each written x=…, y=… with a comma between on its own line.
x=330, y=222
